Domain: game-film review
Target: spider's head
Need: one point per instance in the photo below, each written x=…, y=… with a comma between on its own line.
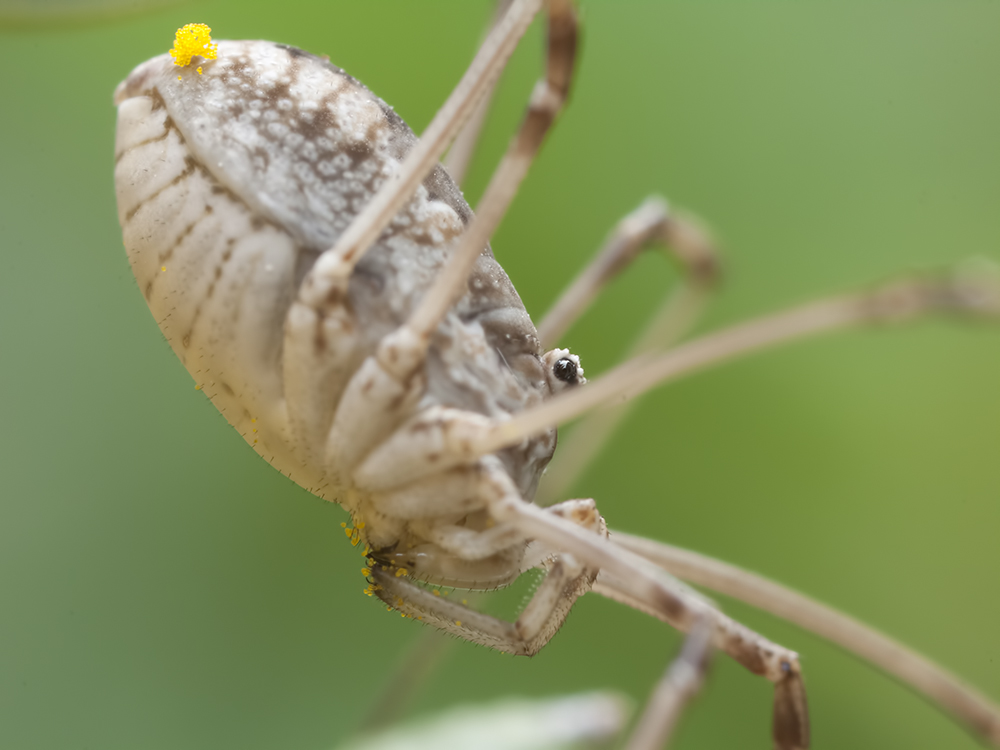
x=563, y=370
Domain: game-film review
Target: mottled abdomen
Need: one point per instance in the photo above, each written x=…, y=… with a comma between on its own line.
x=231, y=182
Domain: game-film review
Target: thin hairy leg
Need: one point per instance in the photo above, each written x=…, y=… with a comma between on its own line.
x=460, y=155
x=944, y=689
x=681, y=682
x=586, y=439
x=630, y=579
x=893, y=302
x=564, y=582
x=442, y=438
x=651, y=225
x=546, y=102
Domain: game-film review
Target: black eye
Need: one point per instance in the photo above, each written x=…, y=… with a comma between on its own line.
x=565, y=370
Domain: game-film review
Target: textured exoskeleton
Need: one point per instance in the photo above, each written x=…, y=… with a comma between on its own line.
x=230, y=184
x=431, y=419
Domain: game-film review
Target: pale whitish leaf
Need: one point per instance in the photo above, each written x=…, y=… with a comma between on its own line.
x=513, y=724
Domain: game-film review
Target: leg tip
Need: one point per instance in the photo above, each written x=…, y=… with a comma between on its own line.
x=791, y=713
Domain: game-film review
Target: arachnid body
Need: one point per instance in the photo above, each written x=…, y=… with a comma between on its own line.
x=372, y=379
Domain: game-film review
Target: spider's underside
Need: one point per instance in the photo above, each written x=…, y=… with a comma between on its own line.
x=233, y=186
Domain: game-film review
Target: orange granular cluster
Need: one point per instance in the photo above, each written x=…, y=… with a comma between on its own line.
x=193, y=40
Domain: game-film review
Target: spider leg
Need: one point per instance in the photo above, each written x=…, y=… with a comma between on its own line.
x=651, y=224
x=964, y=703
x=568, y=530
x=692, y=249
x=679, y=684
x=442, y=438
x=566, y=579
x=900, y=300
x=464, y=148
x=546, y=102
x=630, y=579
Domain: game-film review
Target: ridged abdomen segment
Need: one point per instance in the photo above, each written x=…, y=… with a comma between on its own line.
x=218, y=278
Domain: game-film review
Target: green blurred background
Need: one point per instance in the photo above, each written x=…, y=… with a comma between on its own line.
x=161, y=587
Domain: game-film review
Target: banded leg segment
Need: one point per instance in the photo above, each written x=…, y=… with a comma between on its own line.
x=546, y=102
x=632, y=580
x=962, y=702
x=462, y=151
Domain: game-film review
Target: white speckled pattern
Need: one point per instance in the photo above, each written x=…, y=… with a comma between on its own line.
x=231, y=182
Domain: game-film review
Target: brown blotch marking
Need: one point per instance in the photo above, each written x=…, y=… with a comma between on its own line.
x=358, y=151
x=319, y=335
x=670, y=605
x=148, y=291
x=748, y=655
x=279, y=90
x=433, y=458
x=227, y=388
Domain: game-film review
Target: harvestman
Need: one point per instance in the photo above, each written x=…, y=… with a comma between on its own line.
x=326, y=285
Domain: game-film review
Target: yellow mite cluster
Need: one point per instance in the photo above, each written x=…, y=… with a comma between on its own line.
x=193, y=40
x=354, y=534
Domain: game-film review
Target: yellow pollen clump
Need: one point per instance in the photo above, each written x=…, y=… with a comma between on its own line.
x=366, y=572
x=193, y=40
x=458, y=622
